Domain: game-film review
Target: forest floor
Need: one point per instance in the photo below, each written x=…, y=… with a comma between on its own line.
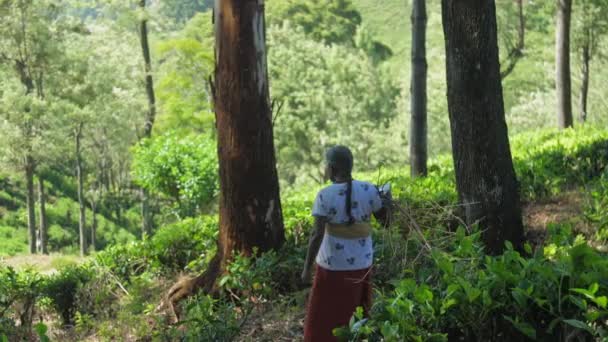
x=283, y=320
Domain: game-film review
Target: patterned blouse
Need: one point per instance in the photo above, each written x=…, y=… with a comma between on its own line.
x=340, y=254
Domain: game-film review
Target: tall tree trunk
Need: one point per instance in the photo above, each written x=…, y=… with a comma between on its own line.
x=31, y=210
x=94, y=223
x=485, y=178
x=418, y=125
x=517, y=52
x=81, y=200
x=563, y=82
x=250, y=206
x=43, y=223
x=585, y=82
x=151, y=115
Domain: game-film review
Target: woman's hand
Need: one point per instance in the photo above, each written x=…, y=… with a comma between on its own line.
x=306, y=276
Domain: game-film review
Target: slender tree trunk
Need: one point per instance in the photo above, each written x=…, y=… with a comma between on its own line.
x=485, y=178
x=31, y=210
x=150, y=117
x=418, y=125
x=43, y=223
x=585, y=82
x=517, y=52
x=81, y=200
x=93, y=224
x=563, y=82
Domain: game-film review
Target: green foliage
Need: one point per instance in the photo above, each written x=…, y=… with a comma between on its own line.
x=61, y=288
x=183, y=87
x=18, y=294
x=185, y=169
x=178, y=245
x=12, y=241
x=325, y=21
x=210, y=320
x=461, y=293
x=546, y=162
x=320, y=87
x=181, y=11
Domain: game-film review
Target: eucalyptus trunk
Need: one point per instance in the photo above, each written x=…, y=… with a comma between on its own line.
x=150, y=116
x=93, y=224
x=586, y=61
x=418, y=125
x=485, y=177
x=563, y=81
x=81, y=200
x=30, y=201
x=249, y=205
x=43, y=223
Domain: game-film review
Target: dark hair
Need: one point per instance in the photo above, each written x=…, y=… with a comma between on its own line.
x=340, y=159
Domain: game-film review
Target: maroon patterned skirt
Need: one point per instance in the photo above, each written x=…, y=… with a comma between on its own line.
x=333, y=299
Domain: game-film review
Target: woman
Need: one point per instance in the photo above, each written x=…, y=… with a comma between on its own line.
x=341, y=245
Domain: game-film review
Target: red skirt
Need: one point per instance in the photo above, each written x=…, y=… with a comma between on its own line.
x=333, y=299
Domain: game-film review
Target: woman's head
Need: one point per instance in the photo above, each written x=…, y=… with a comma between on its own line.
x=339, y=161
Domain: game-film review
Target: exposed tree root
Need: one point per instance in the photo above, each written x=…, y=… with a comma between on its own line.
x=188, y=286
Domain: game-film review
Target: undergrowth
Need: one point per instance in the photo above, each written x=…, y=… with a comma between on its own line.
x=432, y=282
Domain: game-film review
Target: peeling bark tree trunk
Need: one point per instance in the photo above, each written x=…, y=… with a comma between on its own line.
x=151, y=115
x=485, y=178
x=31, y=210
x=81, y=200
x=250, y=207
x=585, y=82
x=43, y=224
x=563, y=82
x=418, y=130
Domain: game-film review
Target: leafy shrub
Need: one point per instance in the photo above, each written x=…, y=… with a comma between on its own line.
x=175, y=246
x=461, y=293
x=185, y=169
x=19, y=292
x=12, y=240
x=62, y=288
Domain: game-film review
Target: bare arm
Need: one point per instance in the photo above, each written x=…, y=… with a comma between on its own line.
x=314, y=243
x=383, y=216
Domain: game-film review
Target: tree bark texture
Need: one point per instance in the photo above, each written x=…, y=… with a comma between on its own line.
x=81, y=200
x=43, y=224
x=151, y=115
x=31, y=209
x=585, y=82
x=418, y=125
x=250, y=207
x=563, y=81
x=485, y=178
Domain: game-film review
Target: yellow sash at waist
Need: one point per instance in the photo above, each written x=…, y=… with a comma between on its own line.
x=355, y=231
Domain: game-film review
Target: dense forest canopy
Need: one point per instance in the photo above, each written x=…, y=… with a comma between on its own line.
x=123, y=135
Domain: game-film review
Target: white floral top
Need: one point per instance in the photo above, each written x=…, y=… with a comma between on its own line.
x=340, y=254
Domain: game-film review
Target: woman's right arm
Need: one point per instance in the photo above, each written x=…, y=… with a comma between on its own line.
x=314, y=243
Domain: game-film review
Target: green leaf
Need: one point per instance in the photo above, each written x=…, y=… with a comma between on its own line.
x=579, y=324
x=423, y=294
x=523, y=327
x=601, y=301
